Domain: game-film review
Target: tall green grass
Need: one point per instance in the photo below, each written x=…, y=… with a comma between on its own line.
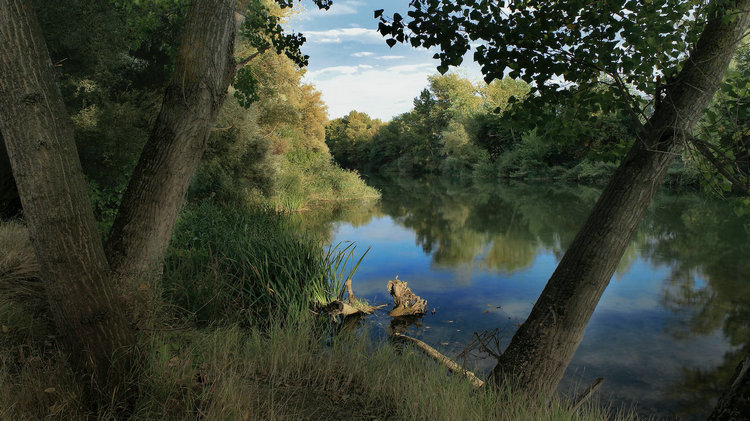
x=235, y=265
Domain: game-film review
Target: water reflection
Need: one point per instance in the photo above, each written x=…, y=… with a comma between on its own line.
x=668, y=331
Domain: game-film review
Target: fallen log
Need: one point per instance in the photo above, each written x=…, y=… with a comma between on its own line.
x=437, y=356
x=405, y=302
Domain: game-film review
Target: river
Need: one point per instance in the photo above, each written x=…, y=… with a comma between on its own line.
x=667, y=333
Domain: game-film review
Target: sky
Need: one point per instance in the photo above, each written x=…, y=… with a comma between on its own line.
x=353, y=67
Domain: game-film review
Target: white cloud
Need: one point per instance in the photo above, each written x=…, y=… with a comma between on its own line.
x=412, y=68
x=390, y=57
x=356, y=34
x=345, y=70
x=381, y=93
x=363, y=54
x=339, y=8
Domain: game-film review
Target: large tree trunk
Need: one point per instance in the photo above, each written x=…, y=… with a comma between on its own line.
x=39, y=140
x=734, y=405
x=10, y=204
x=205, y=67
x=540, y=351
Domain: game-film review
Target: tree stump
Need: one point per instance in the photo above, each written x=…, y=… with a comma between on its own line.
x=405, y=302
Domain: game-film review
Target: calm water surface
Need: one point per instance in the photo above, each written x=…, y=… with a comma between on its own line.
x=668, y=332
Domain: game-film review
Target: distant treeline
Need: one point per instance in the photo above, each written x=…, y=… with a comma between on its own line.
x=465, y=129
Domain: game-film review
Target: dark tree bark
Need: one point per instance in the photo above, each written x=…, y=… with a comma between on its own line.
x=541, y=350
x=89, y=316
x=205, y=67
x=10, y=203
x=734, y=404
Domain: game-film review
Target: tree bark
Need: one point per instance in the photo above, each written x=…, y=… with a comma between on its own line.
x=541, y=350
x=10, y=204
x=734, y=404
x=205, y=67
x=38, y=134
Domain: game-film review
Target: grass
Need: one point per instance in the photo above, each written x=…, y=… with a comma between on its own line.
x=308, y=179
x=249, y=348
x=17, y=260
x=234, y=265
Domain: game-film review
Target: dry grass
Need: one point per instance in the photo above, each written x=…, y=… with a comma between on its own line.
x=17, y=260
x=290, y=371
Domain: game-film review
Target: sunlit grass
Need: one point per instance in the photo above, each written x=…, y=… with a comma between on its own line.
x=307, y=180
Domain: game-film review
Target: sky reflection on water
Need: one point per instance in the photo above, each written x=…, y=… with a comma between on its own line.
x=669, y=329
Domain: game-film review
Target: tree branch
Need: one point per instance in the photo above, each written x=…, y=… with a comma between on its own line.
x=437, y=356
x=702, y=147
x=240, y=64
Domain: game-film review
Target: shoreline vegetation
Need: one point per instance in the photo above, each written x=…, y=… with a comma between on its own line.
x=468, y=130
x=204, y=356
x=225, y=331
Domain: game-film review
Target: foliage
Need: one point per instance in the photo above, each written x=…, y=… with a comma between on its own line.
x=112, y=84
x=613, y=59
x=238, y=265
x=552, y=44
x=348, y=138
x=723, y=135
x=471, y=130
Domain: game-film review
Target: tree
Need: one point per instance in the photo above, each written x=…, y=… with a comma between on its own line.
x=10, y=204
x=550, y=44
x=735, y=403
x=204, y=69
x=88, y=307
x=88, y=312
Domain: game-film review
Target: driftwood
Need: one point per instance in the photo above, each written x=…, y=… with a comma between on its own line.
x=405, y=302
x=350, y=307
x=349, y=291
x=586, y=394
x=437, y=356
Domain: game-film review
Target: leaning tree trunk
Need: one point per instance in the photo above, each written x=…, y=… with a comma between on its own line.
x=205, y=67
x=734, y=405
x=540, y=351
x=10, y=204
x=39, y=138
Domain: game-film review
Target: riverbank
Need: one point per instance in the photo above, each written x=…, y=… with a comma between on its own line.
x=230, y=364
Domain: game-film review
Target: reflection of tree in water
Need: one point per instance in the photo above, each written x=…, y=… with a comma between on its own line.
x=707, y=246
x=491, y=226
x=320, y=220
x=502, y=227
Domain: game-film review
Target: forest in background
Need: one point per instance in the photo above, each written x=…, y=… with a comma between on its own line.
x=220, y=269
x=465, y=129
